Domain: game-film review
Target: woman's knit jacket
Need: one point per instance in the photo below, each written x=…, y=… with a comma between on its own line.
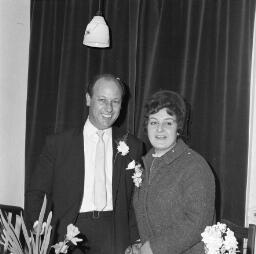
x=175, y=202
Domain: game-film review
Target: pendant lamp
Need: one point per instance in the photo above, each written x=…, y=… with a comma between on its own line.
x=97, y=32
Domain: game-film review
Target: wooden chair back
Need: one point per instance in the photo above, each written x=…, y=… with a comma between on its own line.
x=242, y=233
x=11, y=212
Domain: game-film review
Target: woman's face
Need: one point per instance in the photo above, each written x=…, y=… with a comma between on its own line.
x=162, y=131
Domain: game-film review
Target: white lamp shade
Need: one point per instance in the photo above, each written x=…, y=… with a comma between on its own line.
x=97, y=33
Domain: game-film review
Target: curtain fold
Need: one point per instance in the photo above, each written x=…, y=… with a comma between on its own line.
x=201, y=49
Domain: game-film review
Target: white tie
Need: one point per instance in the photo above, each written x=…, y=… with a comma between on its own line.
x=100, y=192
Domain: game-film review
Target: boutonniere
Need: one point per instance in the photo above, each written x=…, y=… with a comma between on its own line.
x=122, y=147
x=137, y=175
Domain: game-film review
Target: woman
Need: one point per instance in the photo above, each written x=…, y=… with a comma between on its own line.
x=175, y=201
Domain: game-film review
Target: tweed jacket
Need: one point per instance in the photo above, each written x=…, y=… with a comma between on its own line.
x=175, y=202
x=60, y=175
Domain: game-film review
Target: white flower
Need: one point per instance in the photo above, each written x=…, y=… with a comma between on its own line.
x=35, y=227
x=137, y=176
x=138, y=169
x=221, y=226
x=212, y=238
x=35, y=245
x=75, y=240
x=131, y=165
x=72, y=231
x=230, y=242
x=122, y=148
x=137, y=181
x=219, y=239
x=60, y=247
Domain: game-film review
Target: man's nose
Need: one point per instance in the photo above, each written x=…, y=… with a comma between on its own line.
x=109, y=106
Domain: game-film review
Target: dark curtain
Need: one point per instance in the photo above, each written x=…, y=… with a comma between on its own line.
x=201, y=49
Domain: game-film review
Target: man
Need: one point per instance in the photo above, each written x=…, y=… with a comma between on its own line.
x=67, y=172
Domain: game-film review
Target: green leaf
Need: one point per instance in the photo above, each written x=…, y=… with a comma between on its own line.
x=47, y=231
x=40, y=223
x=18, y=226
x=10, y=235
x=25, y=233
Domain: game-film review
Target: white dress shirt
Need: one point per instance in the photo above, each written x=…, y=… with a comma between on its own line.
x=90, y=142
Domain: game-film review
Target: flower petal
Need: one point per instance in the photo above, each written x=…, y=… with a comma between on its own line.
x=131, y=165
x=123, y=148
x=72, y=231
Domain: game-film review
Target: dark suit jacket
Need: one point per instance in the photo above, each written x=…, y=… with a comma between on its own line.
x=60, y=174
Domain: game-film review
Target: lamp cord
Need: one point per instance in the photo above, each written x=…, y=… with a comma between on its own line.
x=99, y=12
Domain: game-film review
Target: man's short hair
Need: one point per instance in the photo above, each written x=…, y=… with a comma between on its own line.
x=108, y=77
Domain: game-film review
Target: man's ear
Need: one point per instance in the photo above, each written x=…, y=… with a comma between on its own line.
x=88, y=99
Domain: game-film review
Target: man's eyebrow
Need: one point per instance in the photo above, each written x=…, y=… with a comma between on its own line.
x=104, y=97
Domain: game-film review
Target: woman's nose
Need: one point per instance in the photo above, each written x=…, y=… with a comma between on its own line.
x=160, y=127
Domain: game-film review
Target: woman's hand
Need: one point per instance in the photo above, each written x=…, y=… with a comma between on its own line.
x=145, y=248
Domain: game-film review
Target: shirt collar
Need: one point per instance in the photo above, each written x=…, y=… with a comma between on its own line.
x=90, y=129
x=171, y=155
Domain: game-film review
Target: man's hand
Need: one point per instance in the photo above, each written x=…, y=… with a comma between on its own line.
x=133, y=249
x=145, y=248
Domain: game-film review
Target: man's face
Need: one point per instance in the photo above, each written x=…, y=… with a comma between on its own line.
x=104, y=104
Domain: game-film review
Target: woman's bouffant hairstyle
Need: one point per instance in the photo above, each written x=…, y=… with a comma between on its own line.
x=170, y=100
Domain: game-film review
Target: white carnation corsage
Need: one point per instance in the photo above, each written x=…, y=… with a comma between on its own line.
x=137, y=176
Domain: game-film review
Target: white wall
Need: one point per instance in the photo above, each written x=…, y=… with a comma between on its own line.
x=250, y=212
x=14, y=45
x=251, y=177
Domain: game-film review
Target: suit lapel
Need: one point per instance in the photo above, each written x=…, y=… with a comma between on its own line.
x=116, y=165
x=79, y=148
